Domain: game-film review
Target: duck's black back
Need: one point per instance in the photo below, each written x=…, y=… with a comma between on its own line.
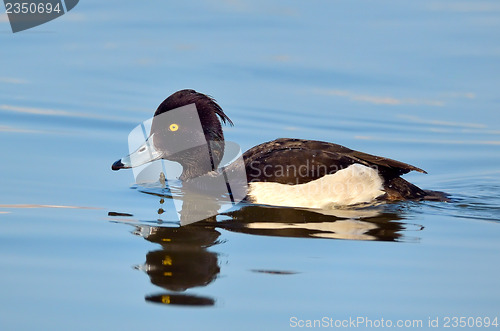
x=298, y=161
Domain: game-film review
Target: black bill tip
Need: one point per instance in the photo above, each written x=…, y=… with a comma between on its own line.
x=117, y=165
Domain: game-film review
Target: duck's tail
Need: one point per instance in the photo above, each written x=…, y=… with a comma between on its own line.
x=436, y=196
x=399, y=189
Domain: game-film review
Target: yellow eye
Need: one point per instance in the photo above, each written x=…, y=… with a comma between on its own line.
x=173, y=127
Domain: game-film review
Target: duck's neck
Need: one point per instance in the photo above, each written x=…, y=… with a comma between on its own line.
x=196, y=162
x=191, y=172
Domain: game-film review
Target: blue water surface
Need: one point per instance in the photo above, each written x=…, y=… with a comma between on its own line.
x=82, y=248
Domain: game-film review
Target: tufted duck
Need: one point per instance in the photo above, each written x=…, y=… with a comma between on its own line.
x=285, y=171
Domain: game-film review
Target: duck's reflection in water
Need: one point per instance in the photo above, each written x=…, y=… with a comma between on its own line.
x=363, y=224
x=185, y=261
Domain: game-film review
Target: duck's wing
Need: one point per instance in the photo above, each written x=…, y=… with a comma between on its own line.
x=400, y=168
x=297, y=161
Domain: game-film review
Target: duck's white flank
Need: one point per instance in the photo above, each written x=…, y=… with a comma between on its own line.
x=350, y=186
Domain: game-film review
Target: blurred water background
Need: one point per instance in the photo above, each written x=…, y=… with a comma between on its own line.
x=414, y=81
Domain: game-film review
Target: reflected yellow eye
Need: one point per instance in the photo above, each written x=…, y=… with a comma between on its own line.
x=173, y=127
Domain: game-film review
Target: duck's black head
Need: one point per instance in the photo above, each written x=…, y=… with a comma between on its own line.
x=176, y=135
